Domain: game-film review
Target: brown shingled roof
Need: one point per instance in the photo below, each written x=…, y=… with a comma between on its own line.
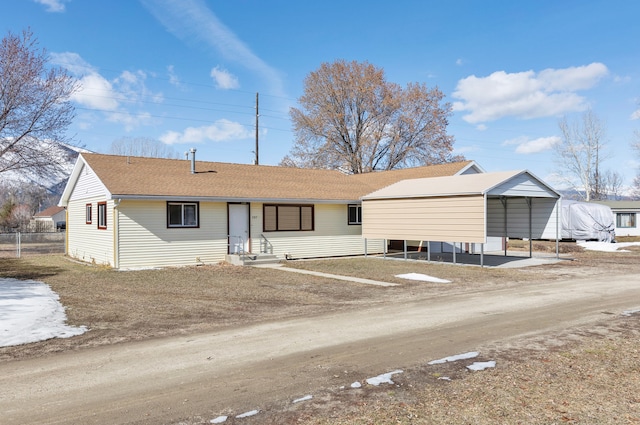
x=137, y=176
x=49, y=212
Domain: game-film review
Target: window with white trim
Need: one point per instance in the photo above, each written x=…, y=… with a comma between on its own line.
x=355, y=214
x=102, y=215
x=88, y=213
x=625, y=220
x=183, y=214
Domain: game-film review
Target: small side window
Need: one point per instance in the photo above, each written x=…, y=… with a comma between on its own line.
x=355, y=214
x=88, y=214
x=102, y=215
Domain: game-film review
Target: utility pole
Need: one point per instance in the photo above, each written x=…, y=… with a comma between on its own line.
x=257, y=162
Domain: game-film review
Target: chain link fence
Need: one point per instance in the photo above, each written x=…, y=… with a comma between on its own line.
x=19, y=244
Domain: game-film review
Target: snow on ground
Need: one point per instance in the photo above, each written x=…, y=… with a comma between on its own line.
x=475, y=366
x=29, y=312
x=606, y=246
x=385, y=378
x=423, y=277
x=464, y=356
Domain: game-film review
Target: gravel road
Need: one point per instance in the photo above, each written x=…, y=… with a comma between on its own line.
x=241, y=369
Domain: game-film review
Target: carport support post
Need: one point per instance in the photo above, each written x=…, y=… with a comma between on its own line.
x=503, y=199
x=384, y=249
x=529, y=201
x=428, y=251
x=405, y=249
x=557, y=229
x=365, y=247
x=481, y=255
x=454, y=252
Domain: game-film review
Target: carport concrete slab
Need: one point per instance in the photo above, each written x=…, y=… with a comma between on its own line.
x=492, y=259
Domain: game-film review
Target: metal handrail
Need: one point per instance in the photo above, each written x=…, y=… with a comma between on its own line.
x=265, y=246
x=241, y=252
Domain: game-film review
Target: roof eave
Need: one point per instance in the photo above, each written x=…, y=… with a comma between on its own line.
x=231, y=199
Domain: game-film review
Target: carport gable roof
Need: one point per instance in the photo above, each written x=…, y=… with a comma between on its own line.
x=503, y=183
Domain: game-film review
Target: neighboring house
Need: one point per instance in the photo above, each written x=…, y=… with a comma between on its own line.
x=50, y=219
x=131, y=212
x=627, y=214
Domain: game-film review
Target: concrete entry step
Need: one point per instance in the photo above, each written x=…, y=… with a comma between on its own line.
x=250, y=259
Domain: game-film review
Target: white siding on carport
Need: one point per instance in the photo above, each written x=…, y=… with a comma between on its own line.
x=514, y=193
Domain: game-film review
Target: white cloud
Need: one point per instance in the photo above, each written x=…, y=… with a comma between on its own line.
x=221, y=131
x=53, y=5
x=132, y=85
x=174, y=80
x=130, y=120
x=224, y=79
x=526, y=146
x=526, y=94
x=72, y=62
x=193, y=21
x=636, y=115
x=459, y=61
x=96, y=92
x=114, y=97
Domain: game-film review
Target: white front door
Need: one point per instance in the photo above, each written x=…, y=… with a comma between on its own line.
x=238, y=228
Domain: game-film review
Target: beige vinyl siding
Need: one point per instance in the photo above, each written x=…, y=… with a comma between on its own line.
x=455, y=219
x=543, y=218
x=145, y=240
x=86, y=242
x=332, y=237
x=88, y=186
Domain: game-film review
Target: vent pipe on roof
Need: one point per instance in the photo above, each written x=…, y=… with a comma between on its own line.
x=193, y=160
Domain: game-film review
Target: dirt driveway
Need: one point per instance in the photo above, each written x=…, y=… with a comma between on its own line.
x=197, y=377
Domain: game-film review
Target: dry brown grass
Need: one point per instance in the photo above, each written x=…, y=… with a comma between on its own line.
x=590, y=379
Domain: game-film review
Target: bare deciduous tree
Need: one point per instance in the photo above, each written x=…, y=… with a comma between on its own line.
x=352, y=118
x=142, y=146
x=580, y=155
x=611, y=183
x=35, y=110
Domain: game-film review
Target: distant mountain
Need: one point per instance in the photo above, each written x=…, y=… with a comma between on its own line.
x=55, y=181
x=579, y=196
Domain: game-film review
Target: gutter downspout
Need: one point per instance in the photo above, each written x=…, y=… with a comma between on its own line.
x=116, y=223
x=66, y=230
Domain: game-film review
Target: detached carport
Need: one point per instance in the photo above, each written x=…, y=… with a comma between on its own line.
x=463, y=209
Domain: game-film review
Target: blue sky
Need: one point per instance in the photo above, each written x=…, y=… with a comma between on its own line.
x=186, y=72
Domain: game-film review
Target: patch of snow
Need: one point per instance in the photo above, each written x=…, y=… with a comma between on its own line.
x=464, y=356
x=385, y=378
x=30, y=311
x=305, y=398
x=606, y=246
x=481, y=365
x=422, y=277
x=247, y=414
x=218, y=420
x=630, y=312
x=444, y=378
x=356, y=385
